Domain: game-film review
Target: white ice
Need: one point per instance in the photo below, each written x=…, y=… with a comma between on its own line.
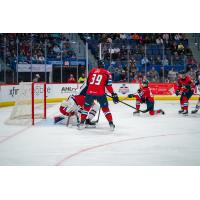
x=171, y=139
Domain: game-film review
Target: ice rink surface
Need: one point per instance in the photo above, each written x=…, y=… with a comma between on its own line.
x=144, y=140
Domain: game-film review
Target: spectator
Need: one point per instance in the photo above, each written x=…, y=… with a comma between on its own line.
x=36, y=78
x=123, y=36
x=56, y=49
x=165, y=37
x=82, y=78
x=153, y=75
x=71, y=79
x=158, y=60
x=180, y=48
x=191, y=60
x=174, y=48
x=144, y=61
x=177, y=37
x=117, y=74
x=135, y=37
x=139, y=77
x=159, y=40
x=172, y=75
x=132, y=78
x=165, y=61
x=109, y=40
x=41, y=59
x=123, y=77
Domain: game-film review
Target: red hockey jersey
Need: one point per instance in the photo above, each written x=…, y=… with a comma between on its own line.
x=185, y=84
x=98, y=80
x=79, y=100
x=146, y=94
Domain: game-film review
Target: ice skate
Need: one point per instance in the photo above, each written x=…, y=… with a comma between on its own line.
x=90, y=124
x=185, y=112
x=196, y=110
x=180, y=111
x=162, y=112
x=81, y=126
x=137, y=112
x=112, y=126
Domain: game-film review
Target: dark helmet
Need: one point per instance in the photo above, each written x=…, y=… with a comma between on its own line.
x=101, y=64
x=183, y=72
x=145, y=83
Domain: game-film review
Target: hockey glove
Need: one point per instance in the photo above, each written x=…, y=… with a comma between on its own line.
x=177, y=92
x=115, y=98
x=139, y=91
x=130, y=95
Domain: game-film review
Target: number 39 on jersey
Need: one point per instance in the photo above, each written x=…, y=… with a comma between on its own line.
x=96, y=79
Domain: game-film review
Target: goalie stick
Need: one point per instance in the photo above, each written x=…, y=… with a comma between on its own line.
x=77, y=117
x=128, y=105
x=96, y=121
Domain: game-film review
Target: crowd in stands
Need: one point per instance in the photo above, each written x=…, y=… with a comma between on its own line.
x=121, y=74
x=149, y=47
x=128, y=55
x=55, y=44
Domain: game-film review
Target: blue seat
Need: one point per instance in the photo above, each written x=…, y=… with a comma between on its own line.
x=149, y=51
x=155, y=52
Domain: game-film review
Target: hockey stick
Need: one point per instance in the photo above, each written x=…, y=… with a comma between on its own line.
x=67, y=123
x=128, y=105
x=128, y=97
x=96, y=121
x=77, y=118
x=124, y=99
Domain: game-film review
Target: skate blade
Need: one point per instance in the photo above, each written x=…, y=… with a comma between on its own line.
x=194, y=112
x=112, y=128
x=80, y=127
x=90, y=126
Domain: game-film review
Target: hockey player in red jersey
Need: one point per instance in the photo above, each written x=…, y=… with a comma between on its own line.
x=144, y=96
x=185, y=88
x=197, y=83
x=73, y=107
x=98, y=80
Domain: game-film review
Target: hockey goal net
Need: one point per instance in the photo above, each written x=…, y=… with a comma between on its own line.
x=30, y=104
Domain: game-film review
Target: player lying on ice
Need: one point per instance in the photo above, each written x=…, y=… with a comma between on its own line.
x=197, y=83
x=72, y=108
x=186, y=90
x=144, y=96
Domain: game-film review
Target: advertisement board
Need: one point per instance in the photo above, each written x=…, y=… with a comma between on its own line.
x=163, y=88
x=35, y=68
x=9, y=92
x=58, y=92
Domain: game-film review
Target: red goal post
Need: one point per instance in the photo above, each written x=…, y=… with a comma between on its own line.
x=30, y=104
x=35, y=100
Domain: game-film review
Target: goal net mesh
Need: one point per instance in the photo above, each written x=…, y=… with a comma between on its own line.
x=29, y=104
